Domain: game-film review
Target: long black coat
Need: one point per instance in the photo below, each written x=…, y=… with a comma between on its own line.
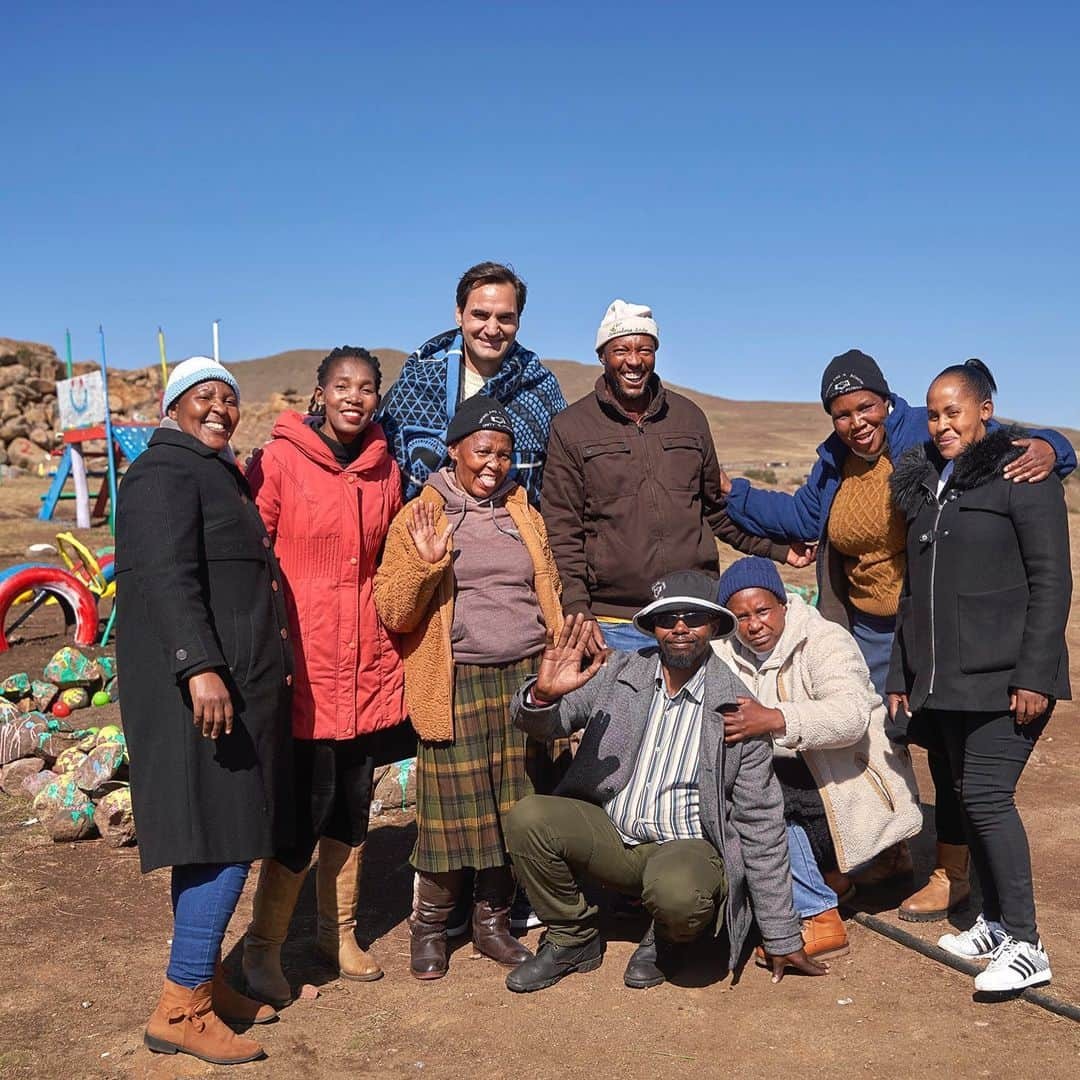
x=986, y=599
x=198, y=588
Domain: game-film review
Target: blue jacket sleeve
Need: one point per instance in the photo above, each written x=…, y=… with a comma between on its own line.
x=1066, y=455
x=776, y=514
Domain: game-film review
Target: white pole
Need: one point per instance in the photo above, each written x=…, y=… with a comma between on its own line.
x=217, y=350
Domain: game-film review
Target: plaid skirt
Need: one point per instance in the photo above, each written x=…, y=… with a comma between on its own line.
x=465, y=788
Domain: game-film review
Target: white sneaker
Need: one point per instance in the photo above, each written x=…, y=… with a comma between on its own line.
x=978, y=943
x=1016, y=964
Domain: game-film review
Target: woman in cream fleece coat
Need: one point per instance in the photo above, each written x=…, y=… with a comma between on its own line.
x=849, y=792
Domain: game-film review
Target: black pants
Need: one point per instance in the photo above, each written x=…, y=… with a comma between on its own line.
x=332, y=787
x=987, y=753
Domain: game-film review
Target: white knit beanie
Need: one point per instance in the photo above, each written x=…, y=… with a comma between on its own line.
x=622, y=319
x=191, y=372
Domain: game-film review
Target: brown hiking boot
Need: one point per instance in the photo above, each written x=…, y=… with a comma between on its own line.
x=275, y=900
x=338, y=888
x=234, y=1007
x=494, y=892
x=184, y=1022
x=948, y=888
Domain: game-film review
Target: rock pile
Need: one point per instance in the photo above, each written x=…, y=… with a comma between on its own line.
x=75, y=774
x=28, y=410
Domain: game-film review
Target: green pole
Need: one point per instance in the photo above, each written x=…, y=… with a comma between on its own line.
x=70, y=369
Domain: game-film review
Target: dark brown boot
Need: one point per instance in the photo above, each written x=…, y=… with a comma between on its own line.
x=494, y=892
x=432, y=904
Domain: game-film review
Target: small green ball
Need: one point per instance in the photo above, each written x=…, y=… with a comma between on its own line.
x=100, y=698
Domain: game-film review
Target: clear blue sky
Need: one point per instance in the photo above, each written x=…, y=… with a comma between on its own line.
x=779, y=181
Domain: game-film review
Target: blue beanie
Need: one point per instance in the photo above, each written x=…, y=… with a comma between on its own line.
x=753, y=572
x=191, y=372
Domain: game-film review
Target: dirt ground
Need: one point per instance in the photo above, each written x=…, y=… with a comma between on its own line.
x=84, y=941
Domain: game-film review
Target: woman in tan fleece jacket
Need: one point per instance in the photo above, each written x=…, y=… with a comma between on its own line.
x=848, y=792
x=468, y=579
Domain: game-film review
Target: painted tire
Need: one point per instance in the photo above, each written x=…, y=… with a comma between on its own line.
x=72, y=594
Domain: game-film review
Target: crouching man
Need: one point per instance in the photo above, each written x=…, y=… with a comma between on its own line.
x=655, y=804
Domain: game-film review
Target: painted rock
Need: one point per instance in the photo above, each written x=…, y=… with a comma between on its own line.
x=107, y=667
x=64, y=810
x=109, y=732
x=43, y=693
x=100, y=698
x=61, y=708
x=51, y=744
x=75, y=697
x=8, y=712
x=69, y=760
x=114, y=819
x=100, y=766
x=16, y=687
x=18, y=740
x=14, y=773
x=114, y=689
x=70, y=667
x=396, y=787
x=33, y=783
x=87, y=740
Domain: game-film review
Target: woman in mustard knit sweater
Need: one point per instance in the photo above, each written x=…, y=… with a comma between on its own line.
x=469, y=581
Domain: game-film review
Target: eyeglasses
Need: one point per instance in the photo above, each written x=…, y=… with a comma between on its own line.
x=666, y=620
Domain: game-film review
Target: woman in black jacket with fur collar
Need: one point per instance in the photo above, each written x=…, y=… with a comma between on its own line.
x=980, y=646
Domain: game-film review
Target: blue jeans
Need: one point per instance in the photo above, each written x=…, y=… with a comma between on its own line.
x=204, y=897
x=625, y=637
x=808, y=889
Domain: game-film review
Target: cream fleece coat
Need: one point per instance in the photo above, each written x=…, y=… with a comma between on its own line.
x=817, y=678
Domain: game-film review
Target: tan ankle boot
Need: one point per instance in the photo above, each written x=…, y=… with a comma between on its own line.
x=184, y=1022
x=893, y=862
x=234, y=1007
x=275, y=900
x=338, y=886
x=948, y=889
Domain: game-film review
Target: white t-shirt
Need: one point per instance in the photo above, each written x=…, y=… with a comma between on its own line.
x=472, y=382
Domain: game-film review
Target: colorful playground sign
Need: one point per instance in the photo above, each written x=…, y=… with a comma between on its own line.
x=81, y=401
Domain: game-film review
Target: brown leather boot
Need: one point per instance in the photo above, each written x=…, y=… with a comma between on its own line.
x=275, y=900
x=338, y=888
x=184, y=1022
x=493, y=894
x=948, y=889
x=433, y=901
x=894, y=862
x=824, y=937
x=840, y=884
x=234, y=1007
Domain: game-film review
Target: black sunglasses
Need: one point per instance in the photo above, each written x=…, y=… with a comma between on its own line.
x=666, y=620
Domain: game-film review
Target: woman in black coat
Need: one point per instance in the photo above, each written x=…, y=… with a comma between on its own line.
x=202, y=641
x=980, y=646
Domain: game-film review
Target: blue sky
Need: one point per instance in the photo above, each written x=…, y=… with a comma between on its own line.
x=781, y=182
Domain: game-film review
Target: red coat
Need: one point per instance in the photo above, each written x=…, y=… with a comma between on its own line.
x=328, y=525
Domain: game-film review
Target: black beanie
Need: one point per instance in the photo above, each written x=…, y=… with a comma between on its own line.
x=478, y=413
x=852, y=371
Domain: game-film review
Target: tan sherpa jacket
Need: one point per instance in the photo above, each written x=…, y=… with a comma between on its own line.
x=415, y=598
x=818, y=679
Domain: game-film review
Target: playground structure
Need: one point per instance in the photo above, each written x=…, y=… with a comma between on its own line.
x=77, y=586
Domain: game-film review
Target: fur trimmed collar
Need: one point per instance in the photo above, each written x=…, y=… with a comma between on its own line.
x=918, y=471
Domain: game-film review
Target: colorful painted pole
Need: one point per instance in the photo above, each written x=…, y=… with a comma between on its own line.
x=161, y=350
x=111, y=450
x=217, y=350
x=70, y=369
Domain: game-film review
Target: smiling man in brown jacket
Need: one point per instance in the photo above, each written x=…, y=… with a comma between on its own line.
x=632, y=486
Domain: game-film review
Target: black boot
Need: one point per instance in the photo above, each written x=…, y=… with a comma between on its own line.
x=644, y=967
x=555, y=962
x=435, y=896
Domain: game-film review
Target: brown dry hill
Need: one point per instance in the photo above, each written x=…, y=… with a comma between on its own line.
x=747, y=433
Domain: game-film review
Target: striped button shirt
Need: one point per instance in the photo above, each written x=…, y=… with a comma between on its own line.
x=660, y=801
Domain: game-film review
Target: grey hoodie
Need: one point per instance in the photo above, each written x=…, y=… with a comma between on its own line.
x=497, y=617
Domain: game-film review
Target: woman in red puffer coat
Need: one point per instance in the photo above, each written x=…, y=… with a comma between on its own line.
x=327, y=489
